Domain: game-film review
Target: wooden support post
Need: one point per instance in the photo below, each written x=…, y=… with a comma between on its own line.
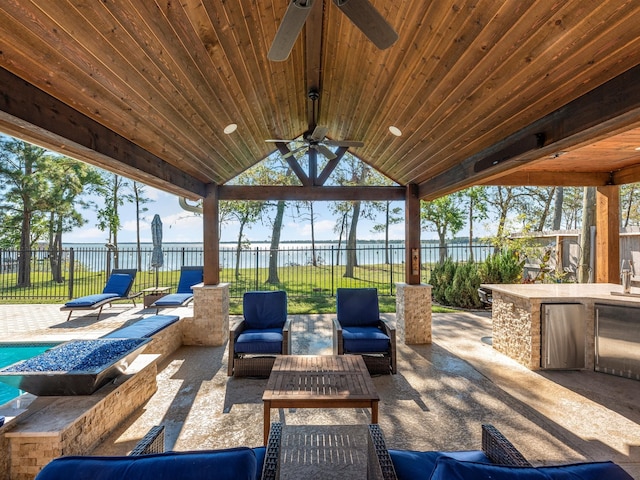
x=608, y=234
x=210, y=209
x=413, y=261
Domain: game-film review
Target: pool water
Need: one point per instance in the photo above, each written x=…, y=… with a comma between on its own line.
x=11, y=353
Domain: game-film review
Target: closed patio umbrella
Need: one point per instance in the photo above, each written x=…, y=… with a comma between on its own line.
x=157, y=258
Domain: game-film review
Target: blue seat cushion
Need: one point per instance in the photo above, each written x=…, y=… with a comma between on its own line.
x=144, y=328
x=188, y=278
x=259, y=341
x=91, y=300
x=265, y=309
x=118, y=283
x=364, y=339
x=451, y=469
x=413, y=465
x=173, y=300
x=230, y=464
x=357, y=307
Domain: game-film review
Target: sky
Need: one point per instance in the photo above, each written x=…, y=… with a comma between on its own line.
x=180, y=226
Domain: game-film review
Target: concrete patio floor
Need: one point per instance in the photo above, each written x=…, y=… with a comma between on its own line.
x=441, y=395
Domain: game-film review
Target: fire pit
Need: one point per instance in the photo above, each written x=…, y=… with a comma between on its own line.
x=77, y=367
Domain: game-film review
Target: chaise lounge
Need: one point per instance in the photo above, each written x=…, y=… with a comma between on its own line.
x=118, y=287
x=189, y=276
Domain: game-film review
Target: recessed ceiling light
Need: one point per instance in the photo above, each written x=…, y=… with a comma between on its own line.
x=395, y=131
x=638, y=148
x=232, y=127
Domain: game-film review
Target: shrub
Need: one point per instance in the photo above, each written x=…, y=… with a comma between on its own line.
x=503, y=266
x=463, y=291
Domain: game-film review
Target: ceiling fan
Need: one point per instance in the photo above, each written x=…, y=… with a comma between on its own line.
x=361, y=12
x=315, y=137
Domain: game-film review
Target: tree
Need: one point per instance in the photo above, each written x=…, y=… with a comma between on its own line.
x=557, y=209
x=444, y=215
x=476, y=201
x=111, y=190
x=25, y=186
x=69, y=179
x=139, y=198
x=588, y=220
x=392, y=215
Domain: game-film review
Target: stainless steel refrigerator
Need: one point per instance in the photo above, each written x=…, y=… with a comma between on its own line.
x=618, y=340
x=563, y=333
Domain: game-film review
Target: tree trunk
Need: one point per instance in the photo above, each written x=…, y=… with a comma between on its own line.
x=443, y=245
x=386, y=234
x=342, y=226
x=275, y=244
x=352, y=260
x=557, y=208
x=24, y=260
x=239, y=249
x=314, y=260
x=588, y=220
x=629, y=205
x=545, y=211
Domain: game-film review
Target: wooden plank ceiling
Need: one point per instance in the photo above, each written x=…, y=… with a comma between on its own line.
x=477, y=87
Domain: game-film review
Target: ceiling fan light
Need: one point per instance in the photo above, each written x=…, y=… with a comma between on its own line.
x=232, y=127
x=395, y=131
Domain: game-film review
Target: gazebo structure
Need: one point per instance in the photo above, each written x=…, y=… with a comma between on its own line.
x=183, y=96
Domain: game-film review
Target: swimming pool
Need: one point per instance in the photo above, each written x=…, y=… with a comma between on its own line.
x=14, y=352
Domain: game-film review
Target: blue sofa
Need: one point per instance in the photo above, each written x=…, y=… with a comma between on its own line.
x=148, y=461
x=498, y=460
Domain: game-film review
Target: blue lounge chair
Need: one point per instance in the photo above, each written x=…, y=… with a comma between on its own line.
x=118, y=287
x=359, y=330
x=189, y=276
x=255, y=341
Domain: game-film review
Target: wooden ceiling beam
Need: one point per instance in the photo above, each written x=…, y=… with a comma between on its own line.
x=626, y=175
x=30, y=114
x=604, y=110
x=551, y=179
x=263, y=193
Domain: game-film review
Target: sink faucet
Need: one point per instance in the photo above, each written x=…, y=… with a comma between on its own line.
x=625, y=277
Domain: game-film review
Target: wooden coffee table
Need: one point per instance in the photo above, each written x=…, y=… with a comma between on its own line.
x=319, y=381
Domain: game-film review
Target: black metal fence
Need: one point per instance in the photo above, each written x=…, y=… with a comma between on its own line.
x=302, y=272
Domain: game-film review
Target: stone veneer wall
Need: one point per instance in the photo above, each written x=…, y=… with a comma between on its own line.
x=413, y=313
x=74, y=425
x=210, y=322
x=166, y=341
x=516, y=328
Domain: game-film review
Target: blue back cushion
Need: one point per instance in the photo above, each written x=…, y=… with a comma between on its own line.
x=450, y=469
x=188, y=278
x=265, y=309
x=357, y=307
x=230, y=464
x=413, y=465
x=118, y=283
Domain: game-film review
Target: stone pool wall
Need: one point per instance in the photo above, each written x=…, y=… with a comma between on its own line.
x=74, y=425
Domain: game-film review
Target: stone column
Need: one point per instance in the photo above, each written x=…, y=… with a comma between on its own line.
x=413, y=313
x=210, y=323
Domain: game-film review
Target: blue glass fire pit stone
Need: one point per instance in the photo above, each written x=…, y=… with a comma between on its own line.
x=77, y=367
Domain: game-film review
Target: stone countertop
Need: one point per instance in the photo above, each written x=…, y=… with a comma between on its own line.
x=609, y=292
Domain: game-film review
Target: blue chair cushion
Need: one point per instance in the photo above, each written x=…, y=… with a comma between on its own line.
x=413, y=465
x=265, y=309
x=364, y=340
x=451, y=469
x=173, y=300
x=91, y=300
x=259, y=341
x=189, y=278
x=118, y=283
x=357, y=307
x=230, y=464
x=144, y=328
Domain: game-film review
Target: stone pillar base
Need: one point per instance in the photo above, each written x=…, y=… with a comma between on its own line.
x=413, y=313
x=210, y=323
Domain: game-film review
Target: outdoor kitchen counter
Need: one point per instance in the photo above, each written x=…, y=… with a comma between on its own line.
x=517, y=321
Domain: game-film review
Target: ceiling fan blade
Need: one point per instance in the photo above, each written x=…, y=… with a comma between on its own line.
x=318, y=134
x=365, y=16
x=326, y=152
x=344, y=143
x=289, y=29
x=295, y=150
